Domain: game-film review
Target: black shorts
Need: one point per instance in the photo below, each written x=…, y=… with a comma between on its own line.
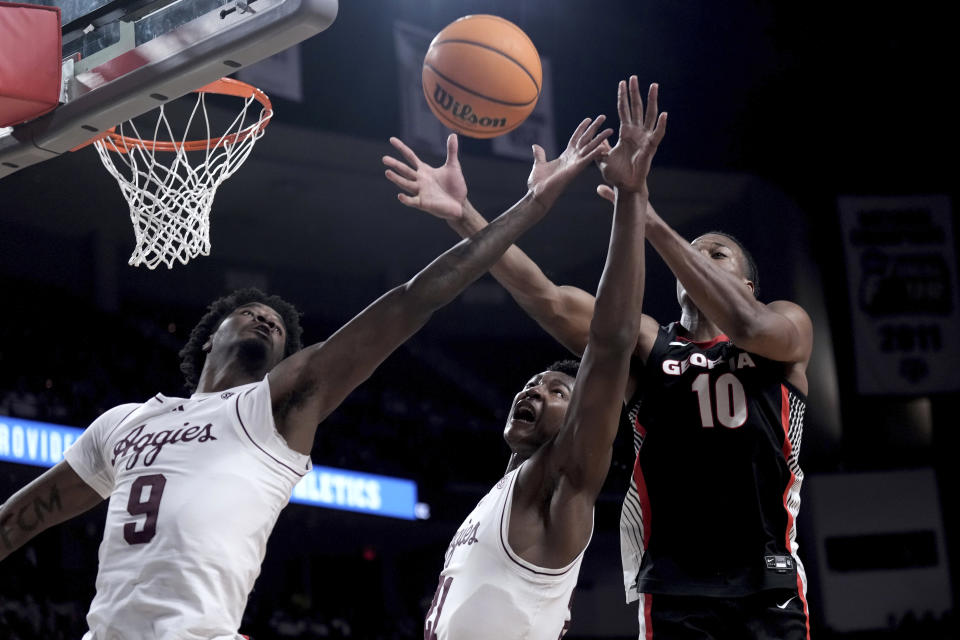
x=767, y=615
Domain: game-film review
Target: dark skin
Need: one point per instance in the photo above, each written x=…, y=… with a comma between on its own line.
x=562, y=433
x=714, y=293
x=308, y=385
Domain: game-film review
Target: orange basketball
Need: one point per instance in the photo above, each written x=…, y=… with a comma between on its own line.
x=482, y=76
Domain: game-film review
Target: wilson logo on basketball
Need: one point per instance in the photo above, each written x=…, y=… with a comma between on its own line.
x=464, y=112
x=481, y=76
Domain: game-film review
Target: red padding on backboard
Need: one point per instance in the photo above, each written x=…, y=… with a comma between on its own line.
x=29, y=61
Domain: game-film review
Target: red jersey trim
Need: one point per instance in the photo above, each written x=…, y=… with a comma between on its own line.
x=787, y=451
x=706, y=344
x=646, y=513
x=648, y=616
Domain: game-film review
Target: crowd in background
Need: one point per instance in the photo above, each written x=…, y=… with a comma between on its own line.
x=64, y=361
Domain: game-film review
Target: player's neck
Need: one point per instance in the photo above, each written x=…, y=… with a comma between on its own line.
x=214, y=378
x=698, y=327
x=515, y=461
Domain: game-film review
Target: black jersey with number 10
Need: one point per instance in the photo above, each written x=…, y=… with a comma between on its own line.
x=715, y=489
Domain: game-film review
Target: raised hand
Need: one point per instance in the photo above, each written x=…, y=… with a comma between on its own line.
x=440, y=191
x=548, y=178
x=626, y=165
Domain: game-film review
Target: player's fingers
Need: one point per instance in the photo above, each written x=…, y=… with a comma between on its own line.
x=407, y=200
x=653, y=111
x=407, y=185
x=405, y=151
x=623, y=109
x=604, y=150
x=661, y=129
x=591, y=130
x=401, y=168
x=594, y=149
x=452, y=146
x=605, y=192
x=539, y=154
x=578, y=132
x=636, y=102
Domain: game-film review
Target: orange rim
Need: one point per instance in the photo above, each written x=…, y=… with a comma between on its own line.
x=224, y=86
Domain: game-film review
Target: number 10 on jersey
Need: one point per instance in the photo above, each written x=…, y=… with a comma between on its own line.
x=728, y=401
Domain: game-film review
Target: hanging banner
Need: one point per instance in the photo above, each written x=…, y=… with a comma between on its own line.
x=419, y=128
x=902, y=276
x=538, y=128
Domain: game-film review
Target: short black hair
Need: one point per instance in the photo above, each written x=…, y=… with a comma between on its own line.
x=570, y=367
x=192, y=355
x=752, y=274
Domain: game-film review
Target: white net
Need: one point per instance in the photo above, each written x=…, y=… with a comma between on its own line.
x=170, y=184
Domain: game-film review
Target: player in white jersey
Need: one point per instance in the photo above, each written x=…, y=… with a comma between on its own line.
x=195, y=484
x=510, y=570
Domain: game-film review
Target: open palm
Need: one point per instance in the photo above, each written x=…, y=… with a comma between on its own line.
x=582, y=148
x=440, y=191
x=627, y=164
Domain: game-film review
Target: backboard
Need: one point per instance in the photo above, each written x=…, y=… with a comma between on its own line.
x=122, y=58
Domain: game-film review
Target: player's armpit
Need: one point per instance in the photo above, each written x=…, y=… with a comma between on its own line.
x=57, y=495
x=649, y=329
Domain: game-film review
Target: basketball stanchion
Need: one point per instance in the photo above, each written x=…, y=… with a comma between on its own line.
x=170, y=193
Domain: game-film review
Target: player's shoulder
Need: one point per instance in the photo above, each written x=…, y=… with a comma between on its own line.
x=117, y=412
x=113, y=416
x=789, y=309
x=800, y=319
x=668, y=331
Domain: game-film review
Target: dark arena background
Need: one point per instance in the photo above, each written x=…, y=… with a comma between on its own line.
x=820, y=134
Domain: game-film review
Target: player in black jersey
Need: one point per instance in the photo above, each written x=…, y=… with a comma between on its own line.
x=716, y=401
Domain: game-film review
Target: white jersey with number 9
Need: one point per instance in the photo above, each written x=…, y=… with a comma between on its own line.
x=195, y=488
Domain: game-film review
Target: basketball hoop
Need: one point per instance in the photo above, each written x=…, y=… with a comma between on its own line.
x=170, y=196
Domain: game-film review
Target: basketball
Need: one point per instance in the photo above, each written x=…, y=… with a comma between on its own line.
x=482, y=76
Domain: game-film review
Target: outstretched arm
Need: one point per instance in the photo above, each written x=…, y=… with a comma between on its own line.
x=564, y=312
x=307, y=386
x=57, y=495
x=580, y=455
x=576, y=463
